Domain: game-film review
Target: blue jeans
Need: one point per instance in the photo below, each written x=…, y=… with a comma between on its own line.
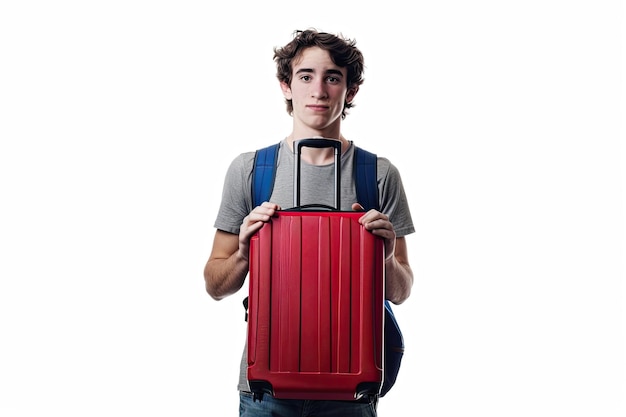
x=273, y=407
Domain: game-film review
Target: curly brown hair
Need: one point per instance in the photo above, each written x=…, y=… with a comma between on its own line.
x=343, y=52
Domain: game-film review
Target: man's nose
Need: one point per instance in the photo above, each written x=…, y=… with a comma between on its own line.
x=318, y=90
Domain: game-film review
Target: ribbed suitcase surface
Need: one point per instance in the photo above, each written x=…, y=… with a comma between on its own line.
x=315, y=324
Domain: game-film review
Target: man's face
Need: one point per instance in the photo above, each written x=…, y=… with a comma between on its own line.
x=318, y=89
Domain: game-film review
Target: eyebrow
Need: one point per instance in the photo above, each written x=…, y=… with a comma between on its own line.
x=327, y=72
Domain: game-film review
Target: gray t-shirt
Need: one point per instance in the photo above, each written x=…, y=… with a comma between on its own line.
x=317, y=186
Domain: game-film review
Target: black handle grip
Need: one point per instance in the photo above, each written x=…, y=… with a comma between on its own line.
x=317, y=143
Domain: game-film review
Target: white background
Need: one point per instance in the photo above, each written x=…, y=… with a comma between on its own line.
x=118, y=120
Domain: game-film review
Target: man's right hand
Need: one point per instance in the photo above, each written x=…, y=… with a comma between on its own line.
x=252, y=223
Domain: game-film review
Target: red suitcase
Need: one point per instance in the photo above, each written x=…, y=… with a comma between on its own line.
x=316, y=294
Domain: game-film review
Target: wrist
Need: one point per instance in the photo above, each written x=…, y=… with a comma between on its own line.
x=242, y=255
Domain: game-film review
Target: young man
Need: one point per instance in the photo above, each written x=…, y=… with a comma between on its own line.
x=319, y=74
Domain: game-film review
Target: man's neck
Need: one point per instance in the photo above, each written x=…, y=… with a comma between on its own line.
x=317, y=156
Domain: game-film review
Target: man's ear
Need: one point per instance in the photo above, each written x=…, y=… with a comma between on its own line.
x=351, y=93
x=286, y=90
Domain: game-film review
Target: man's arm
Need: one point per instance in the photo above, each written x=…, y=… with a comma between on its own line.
x=227, y=267
x=398, y=272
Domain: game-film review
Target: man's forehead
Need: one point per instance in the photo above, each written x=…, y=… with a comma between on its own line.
x=315, y=59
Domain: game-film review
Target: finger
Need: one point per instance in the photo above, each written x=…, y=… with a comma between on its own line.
x=269, y=205
x=372, y=215
x=254, y=227
x=357, y=207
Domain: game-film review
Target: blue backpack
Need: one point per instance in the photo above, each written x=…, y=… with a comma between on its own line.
x=263, y=176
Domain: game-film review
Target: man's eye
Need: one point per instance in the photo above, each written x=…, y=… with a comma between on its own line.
x=333, y=80
x=305, y=78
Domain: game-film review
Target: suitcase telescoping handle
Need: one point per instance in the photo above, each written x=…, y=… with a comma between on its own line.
x=316, y=143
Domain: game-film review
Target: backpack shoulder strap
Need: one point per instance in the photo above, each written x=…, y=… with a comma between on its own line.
x=366, y=178
x=263, y=174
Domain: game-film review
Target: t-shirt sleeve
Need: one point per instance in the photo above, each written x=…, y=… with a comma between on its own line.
x=393, y=200
x=236, y=195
